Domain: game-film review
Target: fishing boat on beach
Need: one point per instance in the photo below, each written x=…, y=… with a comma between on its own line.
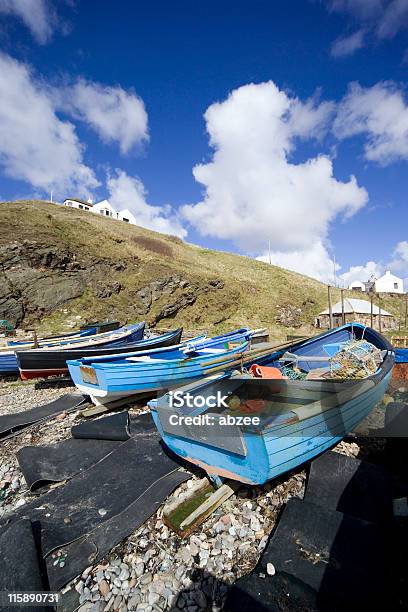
x=111, y=378
x=8, y=360
x=51, y=360
x=285, y=408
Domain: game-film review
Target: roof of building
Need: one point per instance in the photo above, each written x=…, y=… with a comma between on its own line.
x=79, y=201
x=389, y=275
x=352, y=305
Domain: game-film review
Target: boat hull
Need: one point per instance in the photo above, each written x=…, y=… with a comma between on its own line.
x=8, y=364
x=36, y=363
x=301, y=419
x=122, y=378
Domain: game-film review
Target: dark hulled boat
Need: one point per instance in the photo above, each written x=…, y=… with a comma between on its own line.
x=51, y=361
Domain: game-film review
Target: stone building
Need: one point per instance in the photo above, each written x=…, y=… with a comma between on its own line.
x=359, y=311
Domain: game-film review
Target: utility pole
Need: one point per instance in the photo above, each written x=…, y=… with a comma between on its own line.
x=334, y=270
x=406, y=311
x=343, y=315
x=330, y=307
x=400, y=314
x=51, y=197
x=269, y=251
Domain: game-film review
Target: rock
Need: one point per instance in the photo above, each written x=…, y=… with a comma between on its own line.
x=117, y=602
x=104, y=587
x=124, y=574
x=146, y=578
x=139, y=569
x=270, y=569
x=133, y=601
x=153, y=598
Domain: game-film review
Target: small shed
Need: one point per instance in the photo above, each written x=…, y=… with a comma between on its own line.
x=357, y=286
x=359, y=311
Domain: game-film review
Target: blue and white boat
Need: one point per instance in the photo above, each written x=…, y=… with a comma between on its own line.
x=52, y=361
x=9, y=363
x=110, y=378
x=287, y=421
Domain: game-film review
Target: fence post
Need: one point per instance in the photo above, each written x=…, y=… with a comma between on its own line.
x=343, y=315
x=371, y=311
x=330, y=307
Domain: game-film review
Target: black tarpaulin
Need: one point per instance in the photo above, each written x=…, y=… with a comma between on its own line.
x=10, y=424
x=112, y=427
x=108, y=534
x=42, y=465
x=20, y=568
x=334, y=554
x=99, y=493
x=354, y=487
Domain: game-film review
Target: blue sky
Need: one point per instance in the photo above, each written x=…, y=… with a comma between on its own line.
x=115, y=96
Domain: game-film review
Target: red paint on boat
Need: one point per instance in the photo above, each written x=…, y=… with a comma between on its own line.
x=28, y=374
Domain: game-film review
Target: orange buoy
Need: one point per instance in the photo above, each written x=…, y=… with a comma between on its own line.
x=265, y=372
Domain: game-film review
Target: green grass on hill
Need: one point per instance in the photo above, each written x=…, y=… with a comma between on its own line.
x=253, y=292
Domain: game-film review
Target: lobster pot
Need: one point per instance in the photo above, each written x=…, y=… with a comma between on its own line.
x=355, y=359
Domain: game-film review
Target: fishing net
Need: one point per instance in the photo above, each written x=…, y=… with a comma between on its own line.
x=293, y=373
x=356, y=359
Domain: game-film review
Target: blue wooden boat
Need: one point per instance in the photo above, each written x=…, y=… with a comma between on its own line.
x=111, y=378
x=8, y=360
x=8, y=364
x=51, y=360
x=401, y=355
x=297, y=419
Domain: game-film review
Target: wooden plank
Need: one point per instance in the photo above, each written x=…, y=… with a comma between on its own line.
x=207, y=499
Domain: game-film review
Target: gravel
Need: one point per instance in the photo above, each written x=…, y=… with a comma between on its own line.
x=154, y=569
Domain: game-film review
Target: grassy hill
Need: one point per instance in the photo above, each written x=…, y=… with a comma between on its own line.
x=61, y=266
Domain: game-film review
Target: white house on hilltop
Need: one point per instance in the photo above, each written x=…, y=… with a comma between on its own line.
x=357, y=286
x=76, y=203
x=105, y=209
x=101, y=208
x=126, y=215
x=387, y=283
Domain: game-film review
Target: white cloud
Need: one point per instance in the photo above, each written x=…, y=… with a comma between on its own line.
x=363, y=10
x=314, y=261
x=382, y=19
x=347, y=45
x=394, y=19
x=379, y=112
x=35, y=145
x=37, y=15
x=361, y=273
x=115, y=114
x=253, y=192
x=127, y=192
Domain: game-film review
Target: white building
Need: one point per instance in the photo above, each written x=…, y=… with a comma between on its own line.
x=105, y=209
x=389, y=283
x=76, y=203
x=357, y=286
x=102, y=208
x=126, y=215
